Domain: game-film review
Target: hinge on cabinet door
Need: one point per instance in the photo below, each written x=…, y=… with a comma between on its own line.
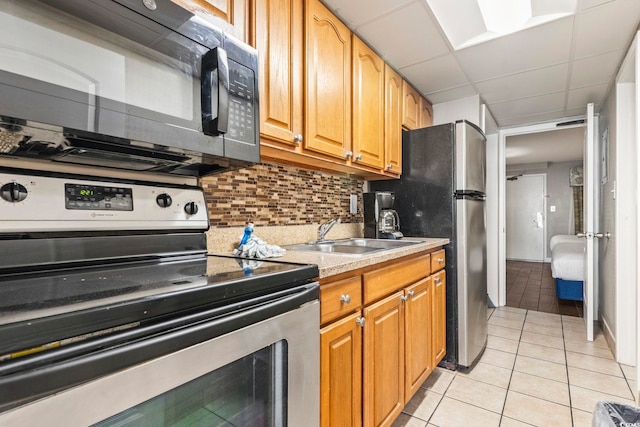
x=360, y=321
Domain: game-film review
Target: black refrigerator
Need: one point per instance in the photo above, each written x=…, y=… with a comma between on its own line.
x=441, y=193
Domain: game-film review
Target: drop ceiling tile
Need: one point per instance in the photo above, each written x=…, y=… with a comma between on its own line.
x=597, y=69
x=522, y=85
x=606, y=28
x=585, y=95
x=528, y=106
x=451, y=94
x=537, y=47
x=588, y=4
x=354, y=13
x=436, y=74
x=578, y=112
x=406, y=36
x=532, y=119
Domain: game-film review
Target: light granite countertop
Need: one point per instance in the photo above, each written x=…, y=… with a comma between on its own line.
x=332, y=264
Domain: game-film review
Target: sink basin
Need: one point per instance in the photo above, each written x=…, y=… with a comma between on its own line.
x=353, y=246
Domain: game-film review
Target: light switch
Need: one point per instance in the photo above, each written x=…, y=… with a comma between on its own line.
x=353, y=204
x=552, y=208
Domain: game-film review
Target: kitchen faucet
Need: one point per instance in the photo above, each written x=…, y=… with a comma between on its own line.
x=324, y=229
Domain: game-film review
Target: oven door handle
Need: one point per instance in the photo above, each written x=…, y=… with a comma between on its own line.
x=121, y=351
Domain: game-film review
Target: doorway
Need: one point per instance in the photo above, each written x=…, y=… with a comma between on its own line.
x=525, y=217
x=549, y=152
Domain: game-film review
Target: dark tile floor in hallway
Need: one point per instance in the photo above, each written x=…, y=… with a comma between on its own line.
x=530, y=286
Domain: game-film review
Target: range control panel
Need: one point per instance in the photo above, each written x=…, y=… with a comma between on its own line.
x=105, y=198
x=33, y=203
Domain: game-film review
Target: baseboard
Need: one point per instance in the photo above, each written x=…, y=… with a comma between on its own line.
x=608, y=336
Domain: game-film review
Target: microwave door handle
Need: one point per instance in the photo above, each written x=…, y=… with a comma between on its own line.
x=223, y=91
x=215, y=81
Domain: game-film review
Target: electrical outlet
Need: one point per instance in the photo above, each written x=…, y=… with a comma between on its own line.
x=353, y=204
x=552, y=208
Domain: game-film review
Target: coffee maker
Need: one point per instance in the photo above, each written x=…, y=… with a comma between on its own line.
x=380, y=219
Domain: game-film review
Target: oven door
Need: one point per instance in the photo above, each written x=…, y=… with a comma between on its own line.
x=264, y=374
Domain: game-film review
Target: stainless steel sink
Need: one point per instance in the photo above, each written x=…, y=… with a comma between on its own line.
x=353, y=246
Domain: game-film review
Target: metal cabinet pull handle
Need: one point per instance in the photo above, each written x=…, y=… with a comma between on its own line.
x=359, y=157
x=349, y=154
x=389, y=166
x=581, y=235
x=411, y=294
x=440, y=260
x=437, y=280
x=360, y=321
x=297, y=139
x=404, y=298
x=345, y=299
x=601, y=235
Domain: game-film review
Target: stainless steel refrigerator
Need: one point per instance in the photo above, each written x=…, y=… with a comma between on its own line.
x=441, y=193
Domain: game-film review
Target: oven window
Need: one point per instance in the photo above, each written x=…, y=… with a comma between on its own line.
x=251, y=391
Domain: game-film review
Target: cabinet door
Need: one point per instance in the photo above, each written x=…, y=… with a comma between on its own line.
x=418, y=359
x=328, y=82
x=368, y=105
x=279, y=40
x=228, y=15
x=384, y=361
x=410, y=107
x=393, y=121
x=426, y=113
x=439, y=314
x=341, y=373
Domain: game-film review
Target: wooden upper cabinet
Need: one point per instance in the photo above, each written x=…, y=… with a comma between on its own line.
x=368, y=105
x=279, y=41
x=328, y=82
x=426, y=113
x=228, y=15
x=410, y=107
x=393, y=121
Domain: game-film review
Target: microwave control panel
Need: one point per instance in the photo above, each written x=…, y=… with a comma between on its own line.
x=242, y=126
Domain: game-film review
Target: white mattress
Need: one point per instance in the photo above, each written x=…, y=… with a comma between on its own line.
x=567, y=260
x=564, y=238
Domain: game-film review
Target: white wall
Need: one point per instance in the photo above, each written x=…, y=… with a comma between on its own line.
x=461, y=109
x=618, y=260
x=493, y=224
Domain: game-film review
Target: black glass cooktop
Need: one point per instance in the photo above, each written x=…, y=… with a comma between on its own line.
x=72, y=301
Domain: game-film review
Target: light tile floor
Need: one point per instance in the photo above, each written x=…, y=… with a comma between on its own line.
x=538, y=369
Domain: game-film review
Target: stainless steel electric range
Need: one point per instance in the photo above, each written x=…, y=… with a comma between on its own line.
x=112, y=313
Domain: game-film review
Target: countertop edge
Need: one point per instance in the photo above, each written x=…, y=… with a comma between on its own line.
x=334, y=264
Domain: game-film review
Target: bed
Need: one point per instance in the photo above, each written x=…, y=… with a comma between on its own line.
x=567, y=266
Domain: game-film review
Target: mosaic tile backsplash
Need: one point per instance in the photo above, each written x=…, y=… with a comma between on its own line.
x=269, y=194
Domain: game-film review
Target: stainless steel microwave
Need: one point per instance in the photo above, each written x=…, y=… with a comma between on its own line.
x=133, y=84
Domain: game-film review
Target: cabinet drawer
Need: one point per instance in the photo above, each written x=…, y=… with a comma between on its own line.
x=382, y=282
x=340, y=298
x=438, y=260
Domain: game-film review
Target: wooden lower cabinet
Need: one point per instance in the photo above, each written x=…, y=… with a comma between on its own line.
x=383, y=333
x=439, y=341
x=417, y=332
x=341, y=368
x=384, y=361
